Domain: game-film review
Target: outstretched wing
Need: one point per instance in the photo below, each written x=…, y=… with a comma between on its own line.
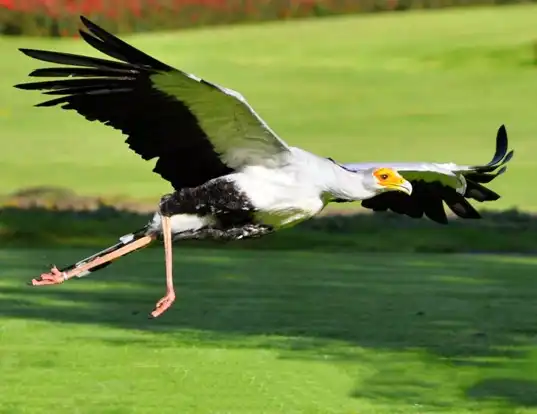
x=196, y=129
x=434, y=184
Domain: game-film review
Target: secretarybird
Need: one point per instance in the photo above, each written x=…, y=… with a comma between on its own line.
x=233, y=177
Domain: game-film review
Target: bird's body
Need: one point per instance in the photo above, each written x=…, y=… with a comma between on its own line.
x=232, y=176
x=265, y=196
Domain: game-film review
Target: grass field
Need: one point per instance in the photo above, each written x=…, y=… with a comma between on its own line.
x=272, y=332
x=276, y=330
x=420, y=86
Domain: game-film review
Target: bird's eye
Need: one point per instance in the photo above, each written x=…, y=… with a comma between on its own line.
x=384, y=177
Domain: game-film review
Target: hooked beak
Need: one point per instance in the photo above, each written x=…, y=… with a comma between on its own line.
x=403, y=186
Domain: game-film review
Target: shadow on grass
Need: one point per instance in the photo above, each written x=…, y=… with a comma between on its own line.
x=472, y=311
x=517, y=392
x=509, y=231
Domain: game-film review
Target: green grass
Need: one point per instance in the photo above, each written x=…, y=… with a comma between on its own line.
x=505, y=232
x=410, y=86
x=272, y=332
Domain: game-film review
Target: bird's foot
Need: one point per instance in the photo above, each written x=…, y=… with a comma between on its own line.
x=164, y=304
x=54, y=277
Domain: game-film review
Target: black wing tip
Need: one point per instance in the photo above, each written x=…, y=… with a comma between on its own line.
x=508, y=157
x=502, y=138
x=24, y=86
x=91, y=26
x=491, y=195
x=502, y=154
x=33, y=53
x=501, y=134
x=86, y=22
x=83, y=34
x=29, y=52
x=502, y=144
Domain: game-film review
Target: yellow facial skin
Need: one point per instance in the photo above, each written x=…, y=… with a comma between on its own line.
x=390, y=179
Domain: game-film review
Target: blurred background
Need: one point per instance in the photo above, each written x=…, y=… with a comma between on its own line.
x=351, y=312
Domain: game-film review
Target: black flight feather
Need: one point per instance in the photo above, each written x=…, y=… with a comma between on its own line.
x=431, y=203
x=501, y=146
x=479, y=193
x=121, y=94
x=111, y=44
x=73, y=83
x=81, y=72
x=501, y=156
x=73, y=60
x=460, y=206
x=429, y=197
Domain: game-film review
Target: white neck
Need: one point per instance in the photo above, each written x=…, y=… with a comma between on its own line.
x=331, y=178
x=341, y=183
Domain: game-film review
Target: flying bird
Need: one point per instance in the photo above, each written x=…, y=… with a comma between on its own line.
x=232, y=176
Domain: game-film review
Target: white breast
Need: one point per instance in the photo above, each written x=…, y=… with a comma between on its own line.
x=282, y=197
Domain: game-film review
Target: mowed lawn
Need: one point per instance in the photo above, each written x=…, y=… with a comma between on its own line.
x=285, y=332
x=407, y=86
x=271, y=332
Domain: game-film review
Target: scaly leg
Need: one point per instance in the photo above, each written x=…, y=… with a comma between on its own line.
x=166, y=302
x=56, y=276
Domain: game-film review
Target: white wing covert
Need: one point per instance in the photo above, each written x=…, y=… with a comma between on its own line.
x=238, y=134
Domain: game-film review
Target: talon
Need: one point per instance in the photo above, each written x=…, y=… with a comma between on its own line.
x=163, y=305
x=55, y=277
x=55, y=270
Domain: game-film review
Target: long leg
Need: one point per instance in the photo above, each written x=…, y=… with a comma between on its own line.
x=167, y=301
x=233, y=233
x=213, y=198
x=92, y=263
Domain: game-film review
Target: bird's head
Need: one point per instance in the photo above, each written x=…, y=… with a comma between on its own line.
x=388, y=179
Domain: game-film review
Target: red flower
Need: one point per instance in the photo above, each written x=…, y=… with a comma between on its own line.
x=8, y=4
